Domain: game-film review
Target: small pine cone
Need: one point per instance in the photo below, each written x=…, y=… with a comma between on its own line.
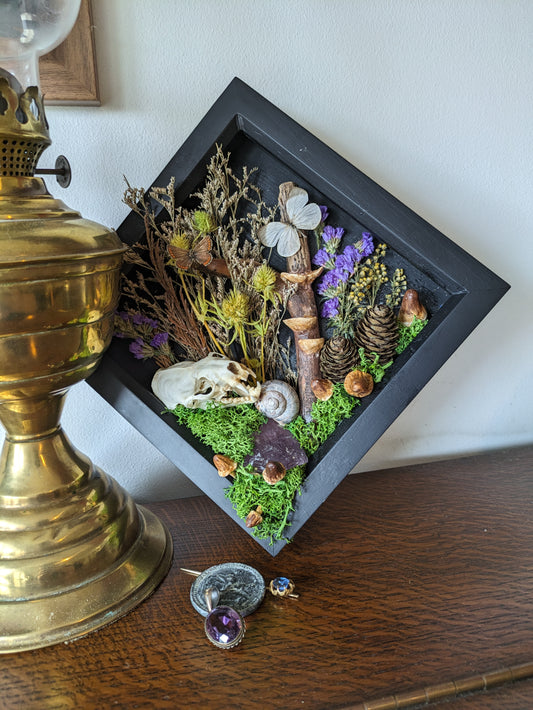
x=338, y=357
x=377, y=332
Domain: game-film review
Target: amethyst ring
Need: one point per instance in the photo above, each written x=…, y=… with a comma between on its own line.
x=223, y=626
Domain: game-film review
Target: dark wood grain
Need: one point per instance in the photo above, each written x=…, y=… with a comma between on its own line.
x=410, y=578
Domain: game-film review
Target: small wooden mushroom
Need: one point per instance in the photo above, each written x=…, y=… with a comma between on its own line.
x=254, y=517
x=411, y=308
x=359, y=383
x=274, y=472
x=224, y=465
x=322, y=389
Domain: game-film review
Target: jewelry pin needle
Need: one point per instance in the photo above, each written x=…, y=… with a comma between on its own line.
x=192, y=572
x=195, y=573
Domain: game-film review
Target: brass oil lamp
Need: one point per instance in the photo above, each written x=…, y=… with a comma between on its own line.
x=75, y=551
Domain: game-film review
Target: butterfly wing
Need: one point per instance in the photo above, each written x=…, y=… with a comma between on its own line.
x=308, y=218
x=270, y=233
x=296, y=201
x=301, y=214
x=202, y=251
x=289, y=241
x=180, y=256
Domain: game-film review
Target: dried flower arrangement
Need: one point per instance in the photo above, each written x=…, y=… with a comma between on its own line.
x=245, y=361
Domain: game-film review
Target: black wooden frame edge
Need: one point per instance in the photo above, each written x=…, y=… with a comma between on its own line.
x=240, y=108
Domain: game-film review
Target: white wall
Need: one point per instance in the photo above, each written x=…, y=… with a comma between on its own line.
x=431, y=98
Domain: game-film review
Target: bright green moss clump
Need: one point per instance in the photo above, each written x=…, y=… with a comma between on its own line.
x=227, y=430
x=250, y=490
x=325, y=417
x=407, y=333
x=230, y=431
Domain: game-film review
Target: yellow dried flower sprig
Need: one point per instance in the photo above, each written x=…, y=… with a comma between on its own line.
x=264, y=282
x=398, y=285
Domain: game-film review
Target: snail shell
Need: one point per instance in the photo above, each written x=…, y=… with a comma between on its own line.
x=278, y=401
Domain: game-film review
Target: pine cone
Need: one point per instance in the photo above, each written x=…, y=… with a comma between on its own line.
x=337, y=358
x=377, y=332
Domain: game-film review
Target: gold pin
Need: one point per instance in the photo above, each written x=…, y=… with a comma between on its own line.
x=278, y=587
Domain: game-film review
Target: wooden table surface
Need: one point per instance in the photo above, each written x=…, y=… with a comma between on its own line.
x=416, y=584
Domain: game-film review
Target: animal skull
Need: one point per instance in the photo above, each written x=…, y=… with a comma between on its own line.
x=215, y=378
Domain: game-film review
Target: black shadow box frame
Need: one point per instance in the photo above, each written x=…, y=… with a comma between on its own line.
x=457, y=290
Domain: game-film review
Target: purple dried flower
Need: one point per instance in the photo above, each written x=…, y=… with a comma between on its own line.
x=159, y=339
x=123, y=315
x=324, y=213
x=332, y=238
x=321, y=258
x=139, y=319
x=352, y=253
x=330, y=280
x=330, y=308
x=330, y=233
x=136, y=348
x=342, y=274
x=345, y=262
x=365, y=245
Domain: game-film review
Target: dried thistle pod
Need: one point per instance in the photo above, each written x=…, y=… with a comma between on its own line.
x=274, y=472
x=411, y=308
x=322, y=389
x=254, y=517
x=359, y=383
x=224, y=465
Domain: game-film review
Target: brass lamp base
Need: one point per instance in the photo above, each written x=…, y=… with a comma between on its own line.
x=75, y=551
x=75, y=556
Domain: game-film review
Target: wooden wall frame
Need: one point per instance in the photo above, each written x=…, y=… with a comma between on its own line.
x=68, y=73
x=457, y=290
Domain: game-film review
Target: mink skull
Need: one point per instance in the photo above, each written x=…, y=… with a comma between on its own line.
x=215, y=378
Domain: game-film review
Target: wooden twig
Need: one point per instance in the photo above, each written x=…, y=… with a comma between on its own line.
x=302, y=308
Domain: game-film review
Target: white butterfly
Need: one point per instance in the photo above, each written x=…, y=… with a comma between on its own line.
x=301, y=216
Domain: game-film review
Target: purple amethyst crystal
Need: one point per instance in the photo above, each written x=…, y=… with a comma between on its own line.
x=224, y=627
x=274, y=443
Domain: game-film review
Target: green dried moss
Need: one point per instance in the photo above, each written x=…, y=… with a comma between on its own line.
x=227, y=430
x=230, y=431
x=373, y=367
x=407, y=333
x=250, y=490
x=325, y=418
